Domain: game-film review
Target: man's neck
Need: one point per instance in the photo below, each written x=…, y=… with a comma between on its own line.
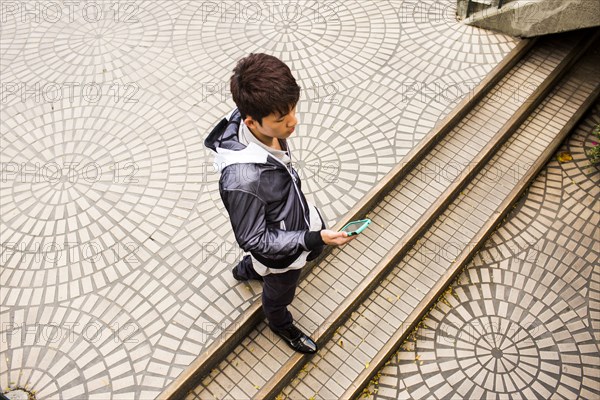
x=266, y=140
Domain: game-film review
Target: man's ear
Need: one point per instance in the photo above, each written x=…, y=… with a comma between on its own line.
x=250, y=122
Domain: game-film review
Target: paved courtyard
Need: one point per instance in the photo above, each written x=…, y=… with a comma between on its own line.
x=115, y=247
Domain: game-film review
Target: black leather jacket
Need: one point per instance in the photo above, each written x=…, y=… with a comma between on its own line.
x=268, y=212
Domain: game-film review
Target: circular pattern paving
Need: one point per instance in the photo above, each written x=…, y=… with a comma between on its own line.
x=579, y=171
x=83, y=194
x=497, y=356
x=463, y=46
x=594, y=303
x=117, y=44
x=13, y=35
x=497, y=353
x=510, y=338
x=69, y=351
x=529, y=221
x=322, y=42
x=556, y=188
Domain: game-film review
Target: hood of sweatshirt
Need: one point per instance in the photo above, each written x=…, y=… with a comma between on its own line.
x=224, y=140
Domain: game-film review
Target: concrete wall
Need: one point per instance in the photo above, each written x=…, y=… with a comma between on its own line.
x=462, y=8
x=528, y=18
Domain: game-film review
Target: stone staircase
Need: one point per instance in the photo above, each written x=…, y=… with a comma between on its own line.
x=429, y=216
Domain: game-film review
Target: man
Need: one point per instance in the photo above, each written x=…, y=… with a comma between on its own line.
x=261, y=191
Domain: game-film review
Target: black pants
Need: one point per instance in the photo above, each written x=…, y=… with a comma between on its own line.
x=278, y=293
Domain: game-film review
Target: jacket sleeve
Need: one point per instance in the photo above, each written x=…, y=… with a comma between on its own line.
x=247, y=215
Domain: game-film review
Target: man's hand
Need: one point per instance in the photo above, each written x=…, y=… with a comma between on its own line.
x=334, y=238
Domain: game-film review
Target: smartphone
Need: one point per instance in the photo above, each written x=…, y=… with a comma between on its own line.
x=356, y=227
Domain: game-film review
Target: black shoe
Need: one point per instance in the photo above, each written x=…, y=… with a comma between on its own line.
x=236, y=276
x=297, y=340
x=241, y=278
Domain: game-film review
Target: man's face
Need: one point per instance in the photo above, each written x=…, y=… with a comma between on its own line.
x=274, y=125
